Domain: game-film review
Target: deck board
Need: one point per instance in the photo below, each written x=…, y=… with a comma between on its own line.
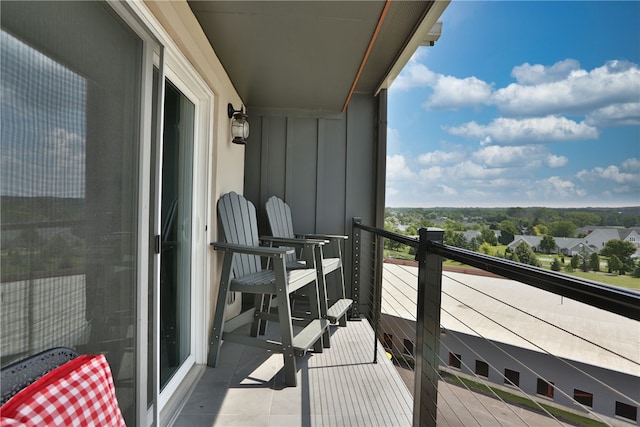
x=340, y=386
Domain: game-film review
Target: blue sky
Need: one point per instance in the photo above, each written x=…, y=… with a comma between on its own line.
x=520, y=103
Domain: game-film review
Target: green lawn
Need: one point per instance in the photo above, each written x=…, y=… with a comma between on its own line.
x=626, y=281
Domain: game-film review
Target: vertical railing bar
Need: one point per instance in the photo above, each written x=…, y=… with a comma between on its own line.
x=377, y=294
x=356, y=244
x=425, y=406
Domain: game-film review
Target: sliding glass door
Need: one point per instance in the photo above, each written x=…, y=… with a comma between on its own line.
x=71, y=136
x=100, y=227
x=176, y=238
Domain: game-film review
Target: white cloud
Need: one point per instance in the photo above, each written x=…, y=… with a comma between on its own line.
x=475, y=194
x=554, y=161
x=628, y=175
x=472, y=184
x=507, y=131
x=513, y=156
x=440, y=157
x=449, y=92
x=473, y=170
x=419, y=54
x=616, y=82
x=434, y=173
x=632, y=165
x=414, y=75
x=528, y=74
x=393, y=140
x=391, y=191
x=627, y=114
x=613, y=173
x=555, y=188
x=608, y=94
x=397, y=169
x=446, y=190
x=452, y=93
x=547, y=104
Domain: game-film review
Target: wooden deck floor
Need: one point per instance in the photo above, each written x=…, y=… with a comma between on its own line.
x=338, y=387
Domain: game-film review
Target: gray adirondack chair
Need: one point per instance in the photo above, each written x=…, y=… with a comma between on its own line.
x=335, y=306
x=242, y=271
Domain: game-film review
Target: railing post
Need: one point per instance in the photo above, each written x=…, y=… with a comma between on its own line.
x=376, y=297
x=356, y=235
x=425, y=401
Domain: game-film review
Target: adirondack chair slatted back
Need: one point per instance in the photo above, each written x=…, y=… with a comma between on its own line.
x=280, y=222
x=336, y=305
x=240, y=226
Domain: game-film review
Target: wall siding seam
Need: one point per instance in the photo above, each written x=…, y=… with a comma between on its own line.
x=320, y=169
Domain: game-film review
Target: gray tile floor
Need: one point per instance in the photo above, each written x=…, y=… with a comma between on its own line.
x=338, y=387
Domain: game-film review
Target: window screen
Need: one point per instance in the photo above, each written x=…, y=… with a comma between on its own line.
x=70, y=76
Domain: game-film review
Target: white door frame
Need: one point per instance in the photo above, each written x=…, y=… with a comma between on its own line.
x=160, y=50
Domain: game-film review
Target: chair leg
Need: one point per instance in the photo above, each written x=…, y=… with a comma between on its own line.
x=341, y=288
x=322, y=293
x=314, y=309
x=286, y=330
x=261, y=303
x=343, y=320
x=218, y=320
x=318, y=301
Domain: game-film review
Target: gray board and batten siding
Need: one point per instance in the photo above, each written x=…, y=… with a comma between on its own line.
x=328, y=167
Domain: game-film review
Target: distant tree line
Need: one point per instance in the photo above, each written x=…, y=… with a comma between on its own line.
x=546, y=222
x=536, y=221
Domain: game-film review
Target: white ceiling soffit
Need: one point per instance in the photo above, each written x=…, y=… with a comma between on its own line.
x=308, y=55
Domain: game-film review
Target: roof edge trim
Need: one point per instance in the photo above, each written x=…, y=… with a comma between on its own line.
x=372, y=41
x=419, y=36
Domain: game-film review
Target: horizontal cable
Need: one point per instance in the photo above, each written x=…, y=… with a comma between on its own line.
x=601, y=347
x=400, y=238
x=533, y=344
x=613, y=299
x=624, y=302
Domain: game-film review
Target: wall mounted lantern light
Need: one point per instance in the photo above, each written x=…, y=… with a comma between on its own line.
x=239, y=125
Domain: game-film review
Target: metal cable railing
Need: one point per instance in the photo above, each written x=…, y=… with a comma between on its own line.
x=510, y=352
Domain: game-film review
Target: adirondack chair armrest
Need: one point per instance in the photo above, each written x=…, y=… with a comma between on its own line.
x=297, y=242
x=252, y=250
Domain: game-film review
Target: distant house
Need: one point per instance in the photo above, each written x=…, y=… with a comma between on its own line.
x=599, y=237
x=564, y=245
x=594, y=241
x=632, y=235
x=470, y=234
x=532, y=241
x=573, y=246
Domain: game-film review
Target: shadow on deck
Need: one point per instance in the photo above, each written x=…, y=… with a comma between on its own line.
x=338, y=387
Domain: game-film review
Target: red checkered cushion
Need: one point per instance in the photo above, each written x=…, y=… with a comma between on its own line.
x=78, y=393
